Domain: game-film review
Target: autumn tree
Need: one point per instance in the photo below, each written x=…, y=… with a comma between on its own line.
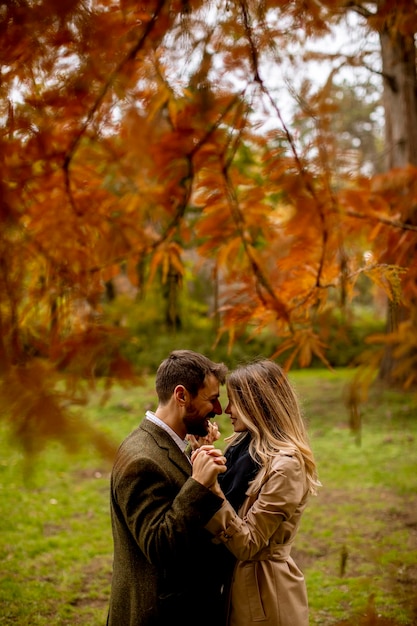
x=355, y=128
x=123, y=119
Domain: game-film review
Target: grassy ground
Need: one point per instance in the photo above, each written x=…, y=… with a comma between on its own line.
x=357, y=544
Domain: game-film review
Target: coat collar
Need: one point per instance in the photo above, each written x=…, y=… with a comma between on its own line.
x=165, y=442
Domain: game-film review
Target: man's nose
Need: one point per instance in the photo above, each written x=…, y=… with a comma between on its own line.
x=217, y=408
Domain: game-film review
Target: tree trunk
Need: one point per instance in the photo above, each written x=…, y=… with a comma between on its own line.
x=398, y=55
x=171, y=290
x=400, y=92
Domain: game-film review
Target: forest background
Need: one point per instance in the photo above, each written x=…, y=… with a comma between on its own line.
x=238, y=178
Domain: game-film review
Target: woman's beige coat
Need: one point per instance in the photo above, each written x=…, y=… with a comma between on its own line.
x=267, y=587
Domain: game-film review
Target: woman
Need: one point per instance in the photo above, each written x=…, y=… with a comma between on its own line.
x=270, y=475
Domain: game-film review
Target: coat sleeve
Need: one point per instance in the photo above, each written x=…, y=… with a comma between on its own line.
x=277, y=500
x=163, y=517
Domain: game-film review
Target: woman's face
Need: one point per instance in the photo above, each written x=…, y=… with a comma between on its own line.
x=238, y=425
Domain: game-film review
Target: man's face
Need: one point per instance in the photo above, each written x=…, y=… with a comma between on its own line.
x=204, y=406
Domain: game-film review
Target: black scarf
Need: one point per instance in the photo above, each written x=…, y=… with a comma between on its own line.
x=241, y=469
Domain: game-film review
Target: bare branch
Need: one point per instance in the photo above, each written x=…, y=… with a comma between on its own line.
x=359, y=9
x=382, y=220
x=306, y=181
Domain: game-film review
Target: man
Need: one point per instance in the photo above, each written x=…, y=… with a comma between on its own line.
x=164, y=564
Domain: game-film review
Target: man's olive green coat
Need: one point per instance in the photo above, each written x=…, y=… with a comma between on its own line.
x=164, y=564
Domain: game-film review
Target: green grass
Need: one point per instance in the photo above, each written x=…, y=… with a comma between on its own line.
x=366, y=509
x=56, y=545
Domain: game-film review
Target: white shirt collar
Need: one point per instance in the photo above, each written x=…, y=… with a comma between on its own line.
x=180, y=442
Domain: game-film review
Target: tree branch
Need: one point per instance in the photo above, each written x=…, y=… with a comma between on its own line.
x=307, y=184
x=359, y=9
x=382, y=220
x=105, y=88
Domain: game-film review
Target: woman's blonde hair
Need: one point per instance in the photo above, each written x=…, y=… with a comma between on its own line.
x=267, y=404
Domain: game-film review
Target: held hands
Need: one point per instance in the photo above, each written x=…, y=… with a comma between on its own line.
x=208, y=462
x=212, y=436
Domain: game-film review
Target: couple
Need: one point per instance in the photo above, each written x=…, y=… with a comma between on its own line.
x=206, y=540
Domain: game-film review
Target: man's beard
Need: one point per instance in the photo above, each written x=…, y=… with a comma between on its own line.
x=199, y=429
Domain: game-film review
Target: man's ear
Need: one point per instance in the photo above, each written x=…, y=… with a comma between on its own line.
x=180, y=394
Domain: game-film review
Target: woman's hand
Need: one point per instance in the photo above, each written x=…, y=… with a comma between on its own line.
x=212, y=436
x=208, y=462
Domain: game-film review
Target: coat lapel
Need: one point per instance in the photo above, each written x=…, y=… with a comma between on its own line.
x=167, y=446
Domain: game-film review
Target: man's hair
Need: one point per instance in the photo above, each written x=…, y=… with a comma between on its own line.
x=188, y=368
